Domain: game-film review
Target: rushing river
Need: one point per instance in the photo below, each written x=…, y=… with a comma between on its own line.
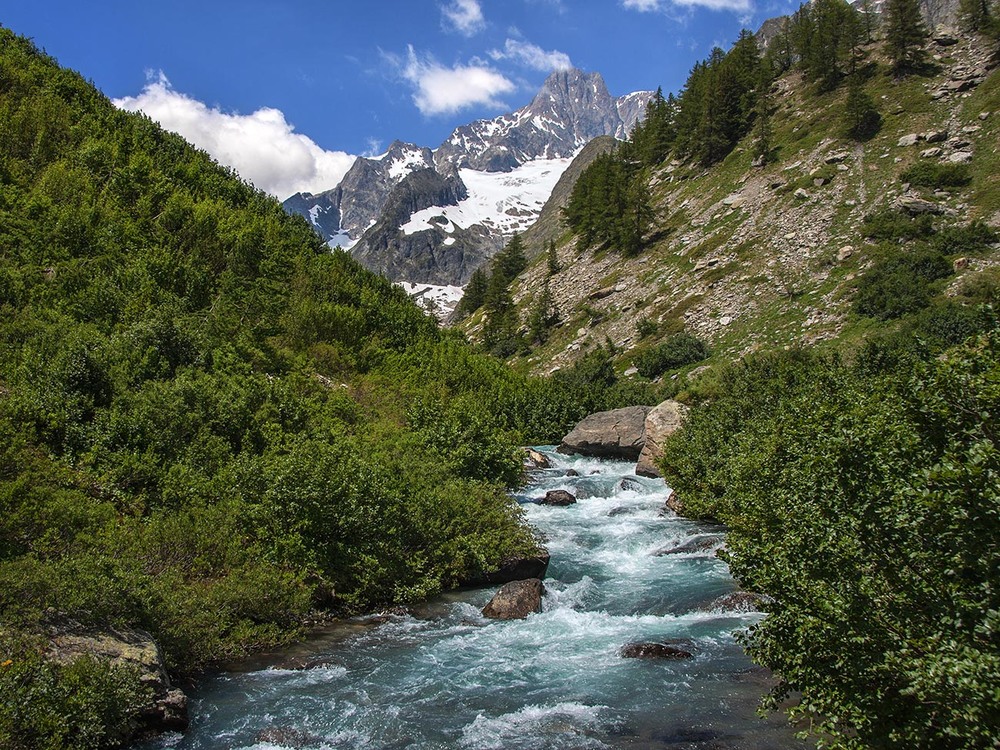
x=445, y=677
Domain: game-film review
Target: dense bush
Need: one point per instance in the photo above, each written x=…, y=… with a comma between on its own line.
x=888, y=224
x=900, y=283
x=209, y=423
x=865, y=507
x=968, y=240
x=678, y=350
x=931, y=174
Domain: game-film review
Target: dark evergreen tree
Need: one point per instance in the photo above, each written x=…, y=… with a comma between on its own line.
x=475, y=293
x=979, y=15
x=543, y=316
x=861, y=119
x=510, y=261
x=905, y=36
x=552, y=258
x=762, y=134
x=869, y=19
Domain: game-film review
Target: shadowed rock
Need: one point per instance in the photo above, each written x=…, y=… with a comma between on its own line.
x=515, y=569
x=699, y=543
x=737, y=601
x=661, y=422
x=618, y=433
x=516, y=600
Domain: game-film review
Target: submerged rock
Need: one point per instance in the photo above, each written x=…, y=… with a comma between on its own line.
x=699, y=543
x=619, y=433
x=288, y=737
x=572, y=473
x=629, y=485
x=737, y=601
x=656, y=650
x=516, y=600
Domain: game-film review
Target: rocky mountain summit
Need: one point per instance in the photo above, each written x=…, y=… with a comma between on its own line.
x=426, y=216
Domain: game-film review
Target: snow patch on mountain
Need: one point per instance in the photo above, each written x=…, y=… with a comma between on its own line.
x=439, y=301
x=505, y=202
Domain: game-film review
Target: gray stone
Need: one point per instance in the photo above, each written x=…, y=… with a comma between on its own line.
x=619, y=433
x=535, y=460
x=960, y=157
x=917, y=206
x=909, y=140
x=801, y=194
x=844, y=253
x=696, y=544
x=516, y=600
x=936, y=136
x=661, y=422
x=930, y=153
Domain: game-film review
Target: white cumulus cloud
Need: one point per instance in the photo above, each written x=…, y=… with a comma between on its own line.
x=648, y=6
x=532, y=55
x=443, y=90
x=262, y=146
x=464, y=16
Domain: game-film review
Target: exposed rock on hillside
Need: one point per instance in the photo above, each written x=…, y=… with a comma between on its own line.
x=662, y=422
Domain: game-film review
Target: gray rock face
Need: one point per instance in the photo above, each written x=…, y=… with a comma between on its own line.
x=662, y=422
x=518, y=569
x=516, y=600
x=618, y=433
x=134, y=648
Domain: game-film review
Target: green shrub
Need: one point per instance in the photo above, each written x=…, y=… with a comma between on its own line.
x=677, y=351
x=926, y=173
x=899, y=283
x=889, y=224
x=973, y=239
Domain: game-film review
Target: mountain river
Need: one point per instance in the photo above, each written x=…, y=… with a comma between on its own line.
x=445, y=677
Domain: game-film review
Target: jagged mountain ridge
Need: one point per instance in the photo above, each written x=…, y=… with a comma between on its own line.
x=500, y=171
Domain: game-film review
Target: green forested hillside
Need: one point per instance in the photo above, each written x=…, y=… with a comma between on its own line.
x=209, y=423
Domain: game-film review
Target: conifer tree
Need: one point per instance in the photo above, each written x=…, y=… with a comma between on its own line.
x=552, y=258
x=979, y=15
x=543, y=316
x=861, y=119
x=475, y=293
x=869, y=19
x=762, y=136
x=905, y=35
x=510, y=261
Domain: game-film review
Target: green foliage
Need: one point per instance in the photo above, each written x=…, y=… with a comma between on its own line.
x=889, y=224
x=933, y=175
x=205, y=415
x=678, y=350
x=826, y=36
x=861, y=118
x=84, y=705
x=475, y=293
x=979, y=15
x=973, y=239
x=552, y=259
x=863, y=506
x=899, y=283
x=905, y=35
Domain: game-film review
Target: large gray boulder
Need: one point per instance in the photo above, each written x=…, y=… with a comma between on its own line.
x=513, y=569
x=167, y=709
x=661, y=422
x=516, y=600
x=619, y=433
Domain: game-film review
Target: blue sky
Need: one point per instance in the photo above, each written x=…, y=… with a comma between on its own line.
x=289, y=92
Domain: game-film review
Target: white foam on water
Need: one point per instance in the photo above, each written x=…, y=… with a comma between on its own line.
x=563, y=725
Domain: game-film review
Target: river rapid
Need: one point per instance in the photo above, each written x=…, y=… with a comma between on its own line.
x=445, y=677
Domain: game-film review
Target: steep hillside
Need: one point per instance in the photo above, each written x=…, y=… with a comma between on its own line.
x=752, y=257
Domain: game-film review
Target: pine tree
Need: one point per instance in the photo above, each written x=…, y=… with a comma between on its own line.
x=552, y=258
x=979, y=15
x=869, y=18
x=543, y=316
x=510, y=261
x=861, y=119
x=762, y=137
x=905, y=35
x=475, y=293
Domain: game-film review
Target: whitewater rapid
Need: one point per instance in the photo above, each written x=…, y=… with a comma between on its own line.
x=445, y=677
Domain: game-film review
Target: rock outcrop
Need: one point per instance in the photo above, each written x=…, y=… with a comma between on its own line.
x=662, y=422
x=516, y=600
x=167, y=709
x=619, y=433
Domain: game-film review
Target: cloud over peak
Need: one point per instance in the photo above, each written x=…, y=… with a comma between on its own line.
x=442, y=90
x=262, y=147
x=532, y=56
x=649, y=6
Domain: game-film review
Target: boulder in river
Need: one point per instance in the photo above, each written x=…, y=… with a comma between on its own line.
x=288, y=737
x=737, y=601
x=558, y=497
x=618, y=433
x=654, y=650
x=535, y=460
x=516, y=600
x=629, y=485
x=572, y=473
x=167, y=708
x=662, y=421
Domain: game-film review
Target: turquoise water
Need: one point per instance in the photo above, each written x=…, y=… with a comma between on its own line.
x=445, y=677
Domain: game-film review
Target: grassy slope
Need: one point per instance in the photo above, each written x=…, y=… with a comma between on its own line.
x=734, y=241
